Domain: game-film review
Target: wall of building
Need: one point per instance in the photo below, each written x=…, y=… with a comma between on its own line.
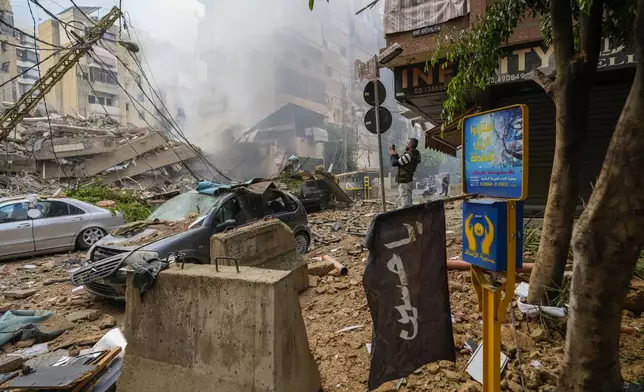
x=8, y=65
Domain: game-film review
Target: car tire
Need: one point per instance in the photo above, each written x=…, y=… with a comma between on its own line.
x=89, y=237
x=302, y=242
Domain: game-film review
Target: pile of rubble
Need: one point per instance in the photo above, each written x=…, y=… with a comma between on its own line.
x=66, y=147
x=339, y=323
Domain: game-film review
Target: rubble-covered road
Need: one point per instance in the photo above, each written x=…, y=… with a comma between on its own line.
x=332, y=304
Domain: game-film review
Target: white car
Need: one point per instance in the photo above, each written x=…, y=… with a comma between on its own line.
x=31, y=226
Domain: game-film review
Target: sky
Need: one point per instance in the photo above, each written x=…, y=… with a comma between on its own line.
x=163, y=19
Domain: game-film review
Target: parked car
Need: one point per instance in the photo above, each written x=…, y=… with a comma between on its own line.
x=105, y=275
x=315, y=195
x=31, y=226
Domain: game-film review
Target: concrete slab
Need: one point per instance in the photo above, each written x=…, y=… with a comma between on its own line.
x=201, y=330
x=155, y=160
x=125, y=152
x=263, y=244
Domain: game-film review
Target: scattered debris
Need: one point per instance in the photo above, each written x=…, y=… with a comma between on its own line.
x=19, y=294
x=475, y=364
x=351, y=328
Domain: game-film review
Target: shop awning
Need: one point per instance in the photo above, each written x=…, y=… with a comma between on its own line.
x=447, y=138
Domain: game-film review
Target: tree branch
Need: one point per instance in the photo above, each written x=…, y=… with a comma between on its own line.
x=591, y=35
x=563, y=37
x=546, y=82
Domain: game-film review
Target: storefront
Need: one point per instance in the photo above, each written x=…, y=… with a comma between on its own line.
x=423, y=93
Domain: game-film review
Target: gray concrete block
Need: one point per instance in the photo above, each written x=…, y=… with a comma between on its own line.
x=202, y=330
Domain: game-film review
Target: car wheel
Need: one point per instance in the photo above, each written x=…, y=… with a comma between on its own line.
x=89, y=237
x=301, y=243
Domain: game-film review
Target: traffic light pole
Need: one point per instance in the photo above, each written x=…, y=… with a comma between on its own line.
x=382, y=172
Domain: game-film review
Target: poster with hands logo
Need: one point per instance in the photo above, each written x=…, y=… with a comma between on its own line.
x=495, y=153
x=406, y=286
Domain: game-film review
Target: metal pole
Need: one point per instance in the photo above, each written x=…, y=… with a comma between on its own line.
x=382, y=173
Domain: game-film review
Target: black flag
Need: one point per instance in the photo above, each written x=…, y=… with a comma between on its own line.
x=406, y=285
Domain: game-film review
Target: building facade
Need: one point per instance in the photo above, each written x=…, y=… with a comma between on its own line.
x=92, y=87
x=257, y=59
x=423, y=92
x=8, y=59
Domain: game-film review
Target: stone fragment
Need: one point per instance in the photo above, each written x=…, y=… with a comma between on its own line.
x=320, y=268
x=10, y=363
x=19, y=294
x=86, y=314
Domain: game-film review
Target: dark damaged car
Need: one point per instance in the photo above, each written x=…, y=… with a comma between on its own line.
x=105, y=272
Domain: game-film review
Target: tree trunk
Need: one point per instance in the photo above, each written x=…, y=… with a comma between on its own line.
x=607, y=242
x=575, y=75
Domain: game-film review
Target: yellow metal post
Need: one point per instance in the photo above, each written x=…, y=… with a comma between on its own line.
x=494, y=307
x=491, y=339
x=511, y=266
x=367, y=187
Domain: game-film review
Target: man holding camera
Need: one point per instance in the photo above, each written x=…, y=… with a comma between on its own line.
x=407, y=164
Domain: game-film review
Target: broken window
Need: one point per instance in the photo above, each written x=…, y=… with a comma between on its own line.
x=229, y=210
x=101, y=100
x=108, y=101
x=5, y=66
x=53, y=209
x=276, y=202
x=13, y=213
x=251, y=206
x=91, y=99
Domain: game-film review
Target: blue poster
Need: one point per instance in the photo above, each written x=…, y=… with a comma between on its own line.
x=495, y=160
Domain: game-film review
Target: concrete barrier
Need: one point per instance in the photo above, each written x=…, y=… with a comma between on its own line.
x=199, y=330
x=264, y=244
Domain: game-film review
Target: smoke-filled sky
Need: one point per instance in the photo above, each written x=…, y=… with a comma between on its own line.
x=175, y=21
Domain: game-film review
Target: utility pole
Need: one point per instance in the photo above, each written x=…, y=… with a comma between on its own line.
x=381, y=167
x=12, y=116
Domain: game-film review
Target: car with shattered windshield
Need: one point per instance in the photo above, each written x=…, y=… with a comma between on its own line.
x=185, y=224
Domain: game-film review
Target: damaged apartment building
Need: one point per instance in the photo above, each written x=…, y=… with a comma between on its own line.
x=99, y=120
x=289, y=80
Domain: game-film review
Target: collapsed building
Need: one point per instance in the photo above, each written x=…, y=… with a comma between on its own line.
x=63, y=148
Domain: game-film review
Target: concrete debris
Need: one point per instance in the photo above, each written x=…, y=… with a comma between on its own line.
x=77, y=149
x=10, y=363
x=87, y=314
x=19, y=294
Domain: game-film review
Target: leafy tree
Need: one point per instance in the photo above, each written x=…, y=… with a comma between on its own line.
x=609, y=235
x=431, y=161
x=574, y=29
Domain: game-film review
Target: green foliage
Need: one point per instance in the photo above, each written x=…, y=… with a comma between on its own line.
x=639, y=267
x=312, y=4
x=430, y=161
x=477, y=51
x=133, y=208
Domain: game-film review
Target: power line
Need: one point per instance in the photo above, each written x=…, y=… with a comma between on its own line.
x=204, y=160
x=173, y=123
x=29, y=35
x=30, y=48
x=102, y=65
x=29, y=69
x=51, y=131
x=117, y=127
x=181, y=135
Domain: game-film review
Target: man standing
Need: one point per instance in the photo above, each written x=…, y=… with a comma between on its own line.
x=406, y=164
x=445, y=184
